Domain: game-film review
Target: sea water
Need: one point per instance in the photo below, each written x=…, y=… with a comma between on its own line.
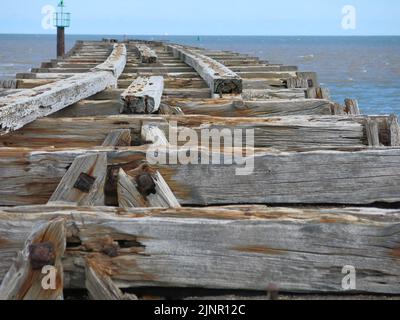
x=363, y=68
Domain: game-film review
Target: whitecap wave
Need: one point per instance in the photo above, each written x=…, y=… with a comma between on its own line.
x=307, y=57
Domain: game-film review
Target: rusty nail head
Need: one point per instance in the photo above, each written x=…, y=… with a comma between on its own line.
x=110, y=250
x=146, y=185
x=41, y=254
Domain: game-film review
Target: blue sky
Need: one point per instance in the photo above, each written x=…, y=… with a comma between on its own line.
x=207, y=17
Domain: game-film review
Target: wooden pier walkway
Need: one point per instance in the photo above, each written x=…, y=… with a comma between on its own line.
x=77, y=191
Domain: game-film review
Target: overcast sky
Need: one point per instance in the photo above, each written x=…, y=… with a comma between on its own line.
x=207, y=17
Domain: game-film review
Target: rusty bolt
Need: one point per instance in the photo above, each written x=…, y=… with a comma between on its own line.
x=146, y=185
x=110, y=250
x=84, y=182
x=41, y=254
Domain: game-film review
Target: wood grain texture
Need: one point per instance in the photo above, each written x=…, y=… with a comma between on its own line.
x=283, y=133
x=247, y=248
x=118, y=138
x=19, y=109
x=128, y=194
x=22, y=281
x=143, y=95
x=219, y=78
x=94, y=167
x=147, y=55
x=99, y=284
x=253, y=108
x=355, y=176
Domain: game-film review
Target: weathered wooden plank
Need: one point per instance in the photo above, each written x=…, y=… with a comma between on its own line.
x=296, y=82
x=148, y=183
x=37, y=273
x=143, y=95
x=34, y=83
x=83, y=184
x=352, y=106
x=220, y=79
x=152, y=134
x=144, y=188
x=109, y=103
x=6, y=92
x=257, y=108
x=394, y=131
x=265, y=94
x=169, y=110
x=297, y=250
x=317, y=177
x=371, y=127
x=99, y=284
x=128, y=193
x=174, y=83
x=147, y=55
x=22, y=108
x=41, y=76
x=265, y=84
x=383, y=131
x=118, y=138
x=318, y=93
x=8, y=84
x=283, y=133
x=171, y=75
x=265, y=75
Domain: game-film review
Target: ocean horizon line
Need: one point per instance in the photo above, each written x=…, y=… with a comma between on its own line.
x=200, y=35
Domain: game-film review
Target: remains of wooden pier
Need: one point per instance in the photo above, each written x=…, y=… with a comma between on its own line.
x=78, y=194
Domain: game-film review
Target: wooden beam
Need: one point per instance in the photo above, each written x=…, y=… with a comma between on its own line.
x=143, y=95
x=372, y=130
x=254, y=108
x=76, y=132
x=174, y=83
x=169, y=110
x=37, y=273
x=283, y=133
x=147, y=188
x=99, y=284
x=299, y=250
x=219, y=78
x=352, y=106
x=383, y=131
x=118, y=138
x=19, y=109
x=317, y=93
x=6, y=92
x=394, y=130
x=83, y=184
x=8, y=84
x=128, y=193
x=317, y=177
x=265, y=75
x=152, y=134
x=265, y=94
x=147, y=55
